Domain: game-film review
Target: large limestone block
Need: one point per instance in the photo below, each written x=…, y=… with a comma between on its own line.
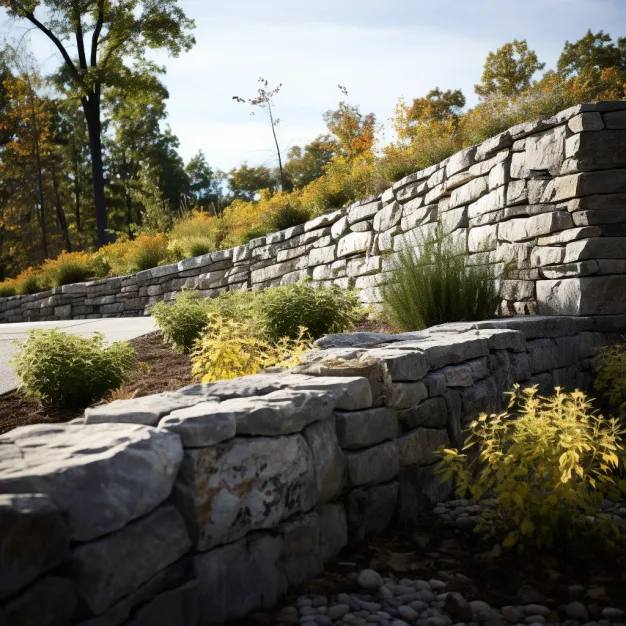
x=406, y=395
x=482, y=238
x=175, y=607
x=432, y=413
x=34, y=539
x=50, y=601
x=526, y=228
x=591, y=121
x=370, y=509
x=592, y=295
x=237, y=578
x=110, y=568
x=330, y=462
x=334, y=529
x=301, y=558
x=544, y=151
x=460, y=161
x=597, y=151
x=242, y=485
x=377, y=464
x=469, y=192
x=360, y=429
x=353, y=243
x=199, y=426
x=418, y=446
x=352, y=392
x=596, y=248
x=583, y=184
x=402, y=366
x=420, y=489
x=388, y=217
x=102, y=476
x=482, y=397
x=281, y=412
x=364, y=211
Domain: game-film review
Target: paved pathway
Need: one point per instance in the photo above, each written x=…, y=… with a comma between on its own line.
x=113, y=329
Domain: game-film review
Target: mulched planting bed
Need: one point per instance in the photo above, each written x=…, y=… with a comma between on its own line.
x=476, y=568
x=165, y=370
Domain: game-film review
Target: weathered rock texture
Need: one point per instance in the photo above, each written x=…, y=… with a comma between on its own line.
x=548, y=197
x=196, y=507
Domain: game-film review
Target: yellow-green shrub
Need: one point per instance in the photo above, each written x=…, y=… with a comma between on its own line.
x=548, y=461
x=196, y=234
x=68, y=267
x=7, y=288
x=611, y=376
x=228, y=349
x=27, y=282
x=134, y=255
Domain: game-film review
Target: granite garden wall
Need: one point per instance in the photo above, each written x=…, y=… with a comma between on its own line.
x=198, y=506
x=548, y=196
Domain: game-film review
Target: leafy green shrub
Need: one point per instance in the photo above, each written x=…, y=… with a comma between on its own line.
x=228, y=349
x=284, y=310
x=183, y=320
x=288, y=215
x=548, y=461
x=611, y=376
x=68, y=371
x=434, y=284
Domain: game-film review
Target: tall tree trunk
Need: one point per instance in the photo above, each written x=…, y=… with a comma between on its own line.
x=77, y=190
x=91, y=107
x=60, y=212
x=38, y=165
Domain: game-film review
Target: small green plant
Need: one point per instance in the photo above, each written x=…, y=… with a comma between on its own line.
x=68, y=371
x=434, y=284
x=183, y=320
x=228, y=349
x=610, y=379
x=288, y=215
x=7, y=288
x=284, y=310
x=549, y=462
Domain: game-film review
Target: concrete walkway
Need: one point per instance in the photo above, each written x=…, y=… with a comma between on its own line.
x=113, y=328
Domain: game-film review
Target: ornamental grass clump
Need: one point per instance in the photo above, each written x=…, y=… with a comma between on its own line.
x=433, y=283
x=67, y=371
x=548, y=463
x=228, y=349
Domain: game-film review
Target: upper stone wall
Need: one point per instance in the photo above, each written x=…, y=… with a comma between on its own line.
x=548, y=196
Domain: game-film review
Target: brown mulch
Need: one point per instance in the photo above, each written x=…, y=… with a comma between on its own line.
x=164, y=370
x=475, y=567
x=374, y=325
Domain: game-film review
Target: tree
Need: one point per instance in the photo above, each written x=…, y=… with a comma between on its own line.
x=591, y=54
x=353, y=130
x=105, y=33
x=265, y=100
x=204, y=187
x=508, y=70
x=437, y=106
x=306, y=165
x=245, y=182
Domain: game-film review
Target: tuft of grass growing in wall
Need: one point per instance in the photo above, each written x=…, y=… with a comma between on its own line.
x=433, y=283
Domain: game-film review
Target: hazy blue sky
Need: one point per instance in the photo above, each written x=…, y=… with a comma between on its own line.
x=380, y=50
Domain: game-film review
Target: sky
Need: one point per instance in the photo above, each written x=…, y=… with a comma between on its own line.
x=380, y=50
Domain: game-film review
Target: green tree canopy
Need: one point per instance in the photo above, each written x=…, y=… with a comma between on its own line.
x=508, y=70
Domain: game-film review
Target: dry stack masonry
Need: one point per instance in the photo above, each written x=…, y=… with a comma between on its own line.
x=198, y=506
x=548, y=196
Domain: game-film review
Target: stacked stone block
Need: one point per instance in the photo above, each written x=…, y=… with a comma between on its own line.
x=198, y=506
x=546, y=199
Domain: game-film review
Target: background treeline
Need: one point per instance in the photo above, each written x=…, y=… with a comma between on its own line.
x=159, y=209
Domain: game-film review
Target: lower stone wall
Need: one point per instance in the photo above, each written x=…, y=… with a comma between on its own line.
x=198, y=506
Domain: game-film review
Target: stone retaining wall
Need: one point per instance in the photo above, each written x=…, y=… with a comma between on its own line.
x=547, y=196
x=194, y=507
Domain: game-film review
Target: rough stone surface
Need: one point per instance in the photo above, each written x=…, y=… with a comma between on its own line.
x=102, y=476
x=360, y=429
x=34, y=539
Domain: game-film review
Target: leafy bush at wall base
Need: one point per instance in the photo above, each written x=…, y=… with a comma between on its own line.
x=610, y=382
x=67, y=371
x=183, y=320
x=284, y=310
x=228, y=349
x=432, y=283
x=549, y=462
